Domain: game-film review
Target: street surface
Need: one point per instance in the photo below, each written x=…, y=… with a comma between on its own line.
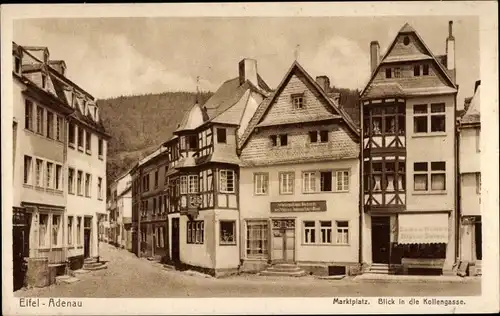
x=129, y=276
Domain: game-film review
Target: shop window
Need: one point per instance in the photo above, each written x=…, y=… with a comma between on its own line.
x=227, y=233
x=227, y=181
x=221, y=135
x=261, y=183
x=326, y=232
x=257, y=240
x=342, y=232
x=287, y=182
x=43, y=231
x=309, y=232
x=56, y=230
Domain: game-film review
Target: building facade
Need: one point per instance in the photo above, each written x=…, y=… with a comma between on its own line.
x=299, y=176
x=120, y=210
x=409, y=162
x=45, y=108
x=469, y=133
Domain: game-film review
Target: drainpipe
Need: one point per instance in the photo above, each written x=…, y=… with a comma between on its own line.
x=458, y=190
x=66, y=168
x=361, y=190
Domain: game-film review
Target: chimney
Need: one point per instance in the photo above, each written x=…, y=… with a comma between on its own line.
x=323, y=82
x=248, y=71
x=450, y=48
x=374, y=55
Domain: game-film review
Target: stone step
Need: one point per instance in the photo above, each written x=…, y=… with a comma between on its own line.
x=283, y=273
x=89, y=260
x=168, y=267
x=93, y=264
x=284, y=269
x=66, y=279
x=93, y=267
x=80, y=271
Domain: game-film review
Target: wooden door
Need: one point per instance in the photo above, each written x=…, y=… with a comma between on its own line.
x=283, y=240
x=86, y=243
x=175, y=240
x=381, y=238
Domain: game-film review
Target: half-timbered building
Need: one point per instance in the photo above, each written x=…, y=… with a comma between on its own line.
x=299, y=195
x=408, y=157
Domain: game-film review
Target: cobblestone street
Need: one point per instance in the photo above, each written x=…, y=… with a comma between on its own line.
x=129, y=276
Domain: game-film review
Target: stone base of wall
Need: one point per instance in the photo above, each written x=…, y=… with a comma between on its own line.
x=323, y=269
x=253, y=266
x=220, y=273
x=217, y=273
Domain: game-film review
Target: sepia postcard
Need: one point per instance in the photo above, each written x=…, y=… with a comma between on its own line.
x=250, y=158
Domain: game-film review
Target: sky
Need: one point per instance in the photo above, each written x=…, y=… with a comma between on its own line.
x=128, y=56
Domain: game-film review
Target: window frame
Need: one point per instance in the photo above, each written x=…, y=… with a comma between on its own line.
x=195, y=232
x=263, y=189
x=39, y=171
x=343, y=229
x=309, y=231
x=306, y=181
x=289, y=181
x=71, y=180
x=325, y=231
x=225, y=188
x=50, y=124
x=298, y=101
x=234, y=233
x=28, y=114
x=429, y=118
x=429, y=173
x=263, y=238
x=28, y=170
x=221, y=135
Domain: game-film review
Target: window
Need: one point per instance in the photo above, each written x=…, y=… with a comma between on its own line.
x=227, y=181
x=325, y=181
x=342, y=180
x=28, y=114
x=425, y=71
x=88, y=141
x=59, y=128
x=58, y=178
x=50, y=124
x=322, y=136
x=100, y=148
x=342, y=232
x=27, y=169
x=326, y=232
x=388, y=73
x=39, y=172
x=44, y=80
x=437, y=175
x=154, y=206
x=192, y=142
x=298, y=101
x=71, y=134
x=71, y=179
x=406, y=40
x=192, y=184
x=80, y=137
x=227, y=233
x=156, y=179
x=79, y=188
x=49, y=175
x=478, y=182
x=70, y=230
x=478, y=140
x=309, y=232
x=195, y=232
x=79, y=231
x=160, y=205
x=309, y=182
x=438, y=117
x=184, y=185
x=397, y=72
x=287, y=180
x=416, y=70
x=17, y=65
x=283, y=140
x=261, y=183
x=274, y=140
x=43, y=231
x=420, y=118
x=221, y=135
x=99, y=188
x=56, y=230
x=256, y=242
x=39, y=120
x=88, y=179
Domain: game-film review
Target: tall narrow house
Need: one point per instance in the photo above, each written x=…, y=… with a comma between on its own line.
x=470, y=183
x=408, y=157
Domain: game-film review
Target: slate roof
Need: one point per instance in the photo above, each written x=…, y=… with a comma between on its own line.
x=473, y=113
x=300, y=119
x=337, y=153
x=263, y=107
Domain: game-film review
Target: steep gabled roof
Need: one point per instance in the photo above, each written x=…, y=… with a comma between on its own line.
x=473, y=113
x=265, y=105
x=408, y=29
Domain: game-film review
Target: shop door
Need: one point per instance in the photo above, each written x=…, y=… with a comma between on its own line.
x=283, y=240
x=381, y=230
x=20, y=245
x=479, y=241
x=175, y=240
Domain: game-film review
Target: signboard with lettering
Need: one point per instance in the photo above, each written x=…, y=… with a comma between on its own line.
x=298, y=206
x=423, y=228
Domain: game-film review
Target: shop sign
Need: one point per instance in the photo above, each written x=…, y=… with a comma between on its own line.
x=298, y=206
x=423, y=228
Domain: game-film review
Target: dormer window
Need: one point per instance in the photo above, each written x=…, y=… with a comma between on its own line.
x=416, y=70
x=426, y=70
x=397, y=72
x=17, y=65
x=279, y=140
x=318, y=136
x=44, y=81
x=221, y=136
x=192, y=142
x=298, y=101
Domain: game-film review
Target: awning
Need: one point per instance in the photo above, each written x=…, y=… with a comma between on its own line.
x=423, y=228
